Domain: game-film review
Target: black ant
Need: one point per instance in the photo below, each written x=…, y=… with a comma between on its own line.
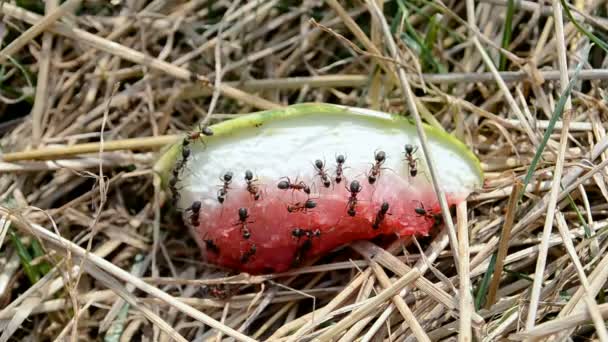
x=195, y=209
x=374, y=173
x=223, y=191
x=185, y=153
x=301, y=206
x=380, y=215
x=287, y=184
x=211, y=246
x=355, y=188
x=173, y=187
x=243, y=216
x=300, y=232
x=252, y=187
x=306, y=245
x=321, y=172
x=207, y=131
x=247, y=255
x=411, y=161
x=421, y=211
x=340, y=159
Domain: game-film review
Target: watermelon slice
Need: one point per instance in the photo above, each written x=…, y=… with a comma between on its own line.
x=270, y=190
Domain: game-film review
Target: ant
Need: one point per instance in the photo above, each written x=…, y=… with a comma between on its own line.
x=355, y=188
x=173, y=187
x=411, y=161
x=302, y=206
x=321, y=172
x=374, y=173
x=251, y=252
x=243, y=216
x=340, y=159
x=185, y=154
x=287, y=184
x=195, y=208
x=223, y=191
x=380, y=215
x=199, y=134
x=252, y=187
x=421, y=211
x=299, y=232
x=306, y=245
x=211, y=246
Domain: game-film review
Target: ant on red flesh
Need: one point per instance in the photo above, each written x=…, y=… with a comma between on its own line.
x=411, y=161
x=380, y=215
x=252, y=187
x=243, y=216
x=301, y=206
x=320, y=168
x=211, y=246
x=374, y=173
x=247, y=255
x=223, y=191
x=300, y=232
x=195, y=209
x=287, y=184
x=421, y=211
x=340, y=159
x=355, y=188
x=306, y=245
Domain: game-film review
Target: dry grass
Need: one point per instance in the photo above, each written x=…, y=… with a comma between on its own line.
x=88, y=250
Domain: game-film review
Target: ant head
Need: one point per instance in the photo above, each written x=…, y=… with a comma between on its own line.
x=307, y=190
x=196, y=206
x=283, y=185
x=173, y=181
x=420, y=211
x=310, y=204
x=248, y=175
x=228, y=176
x=318, y=164
x=207, y=131
x=384, y=206
x=185, y=152
x=380, y=156
x=355, y=186
x=409, y=148
x=185, y=142
x=243, y=214
x=316, y=232
x=340, y=159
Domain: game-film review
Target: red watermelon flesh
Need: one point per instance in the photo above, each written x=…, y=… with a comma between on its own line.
x=274, y=230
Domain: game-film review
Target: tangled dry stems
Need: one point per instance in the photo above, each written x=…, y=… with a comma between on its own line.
x=106, y=233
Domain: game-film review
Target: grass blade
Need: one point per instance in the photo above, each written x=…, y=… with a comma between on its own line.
x=25, y=258
x=506, y=36
x=557, y=113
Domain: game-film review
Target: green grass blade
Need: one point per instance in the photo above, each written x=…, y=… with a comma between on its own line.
x=582, y=30
x=506, y=36
x=43, y=267
x=25, y=258
x=480, y=297
x=557, y=113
